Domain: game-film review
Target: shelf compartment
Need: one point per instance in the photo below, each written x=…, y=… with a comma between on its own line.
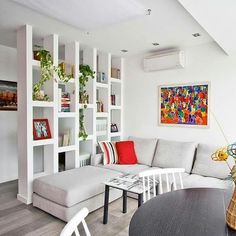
x=101, y=85
x=90, y=137
x=42, y=104
x=115, y=134
x=102, y=114
x=114, y=80
x=89, y=106
x=112, y=107
x=43, y=142
x=66, y=114
x=36, y=64
x=66, y=148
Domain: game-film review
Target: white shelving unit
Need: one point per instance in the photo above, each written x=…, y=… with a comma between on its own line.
x=41, y=157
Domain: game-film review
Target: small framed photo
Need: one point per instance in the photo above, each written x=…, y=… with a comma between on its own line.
x=41, y=129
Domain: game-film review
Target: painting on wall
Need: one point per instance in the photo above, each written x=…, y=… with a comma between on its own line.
x=186, y=104
x=8, y=96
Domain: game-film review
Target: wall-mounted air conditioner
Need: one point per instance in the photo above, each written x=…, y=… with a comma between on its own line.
x=164, y=61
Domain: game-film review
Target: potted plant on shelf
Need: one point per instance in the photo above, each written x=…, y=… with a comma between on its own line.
x=47, y=70
x=85, y=74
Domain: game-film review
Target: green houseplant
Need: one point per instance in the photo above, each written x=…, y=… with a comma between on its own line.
x=47, y=69
x=85, y=74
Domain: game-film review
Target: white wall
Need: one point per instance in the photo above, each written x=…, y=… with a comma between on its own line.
x=204, y=63
x=8, y=120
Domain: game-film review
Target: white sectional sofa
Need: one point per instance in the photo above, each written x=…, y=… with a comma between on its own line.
x=65, y=193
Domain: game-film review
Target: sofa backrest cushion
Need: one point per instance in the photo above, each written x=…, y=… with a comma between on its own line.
x=173, y=154
x=205, y=166
x=126, y=153
x=145, y=149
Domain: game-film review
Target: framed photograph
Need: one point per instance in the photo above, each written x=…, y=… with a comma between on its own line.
x=41, y=129
x=8, y=96
x=184, y=105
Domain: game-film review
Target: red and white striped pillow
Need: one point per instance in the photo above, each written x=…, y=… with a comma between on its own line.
x=109, y=153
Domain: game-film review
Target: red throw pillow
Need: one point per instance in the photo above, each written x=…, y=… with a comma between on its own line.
x=126, y=153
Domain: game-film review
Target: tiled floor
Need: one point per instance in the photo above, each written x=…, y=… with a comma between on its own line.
x=18, y=219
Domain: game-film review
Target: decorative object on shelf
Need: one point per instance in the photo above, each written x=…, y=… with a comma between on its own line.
x=100, y=106
x=68, y=69
x=115, y=73
x=66, y=138
x=82, y=131
x=41, y=129
x=101, y=77
x=47, y=70
x=114, y=128
x=113, y=99
x=8, y=96
x=36, y=49
x=184, y=105
x=222, y=154
x=86, y=73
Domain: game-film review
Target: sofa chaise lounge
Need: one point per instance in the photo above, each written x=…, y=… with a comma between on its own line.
x=65, y=193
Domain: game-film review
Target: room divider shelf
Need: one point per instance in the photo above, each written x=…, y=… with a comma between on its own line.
x=64, y=126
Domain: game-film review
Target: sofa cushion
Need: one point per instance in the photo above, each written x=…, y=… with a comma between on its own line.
x=145, y=149
x=173, y=154
x=73, y=186
x=198, y=181
x=126, y=152
x=205, y=166
x=110, y=155
x=126, y=169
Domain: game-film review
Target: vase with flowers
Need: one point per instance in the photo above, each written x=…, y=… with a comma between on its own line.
x=223, y=154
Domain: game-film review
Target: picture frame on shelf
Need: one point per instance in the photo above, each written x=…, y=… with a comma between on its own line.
x=41, y=129
x=184, y=105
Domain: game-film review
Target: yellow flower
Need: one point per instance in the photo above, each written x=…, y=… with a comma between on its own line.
x=220, y=155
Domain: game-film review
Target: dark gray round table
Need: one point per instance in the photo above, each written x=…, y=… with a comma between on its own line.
x=186, y=212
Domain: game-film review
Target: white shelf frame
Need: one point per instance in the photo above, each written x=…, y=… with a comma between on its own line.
x=26, y=107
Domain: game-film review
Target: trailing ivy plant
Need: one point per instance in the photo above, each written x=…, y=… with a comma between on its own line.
x=85, y=74
x=47, y=70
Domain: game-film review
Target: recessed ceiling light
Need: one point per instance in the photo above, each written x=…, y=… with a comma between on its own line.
x=155, y=44
x=196, y=35
x=124, y=50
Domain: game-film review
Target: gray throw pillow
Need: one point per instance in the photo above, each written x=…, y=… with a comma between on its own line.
x=205, y=166
x=145, y=149
x=173, y=154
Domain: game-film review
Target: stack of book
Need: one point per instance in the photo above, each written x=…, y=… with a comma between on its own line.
x=64, y=102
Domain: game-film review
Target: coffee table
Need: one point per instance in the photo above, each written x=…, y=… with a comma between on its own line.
x=126, y=183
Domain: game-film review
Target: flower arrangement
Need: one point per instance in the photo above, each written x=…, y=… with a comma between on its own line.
x=223, y=154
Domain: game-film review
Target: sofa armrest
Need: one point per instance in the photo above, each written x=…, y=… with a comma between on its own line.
x=96, y=159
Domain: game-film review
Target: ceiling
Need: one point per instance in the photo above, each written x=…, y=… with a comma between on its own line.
x=169, y=24
x=87, y=15
x=218, y=19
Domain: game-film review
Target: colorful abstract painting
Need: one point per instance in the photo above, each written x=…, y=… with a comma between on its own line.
x=184, y=104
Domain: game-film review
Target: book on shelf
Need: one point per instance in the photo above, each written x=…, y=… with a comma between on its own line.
x=113, y=99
